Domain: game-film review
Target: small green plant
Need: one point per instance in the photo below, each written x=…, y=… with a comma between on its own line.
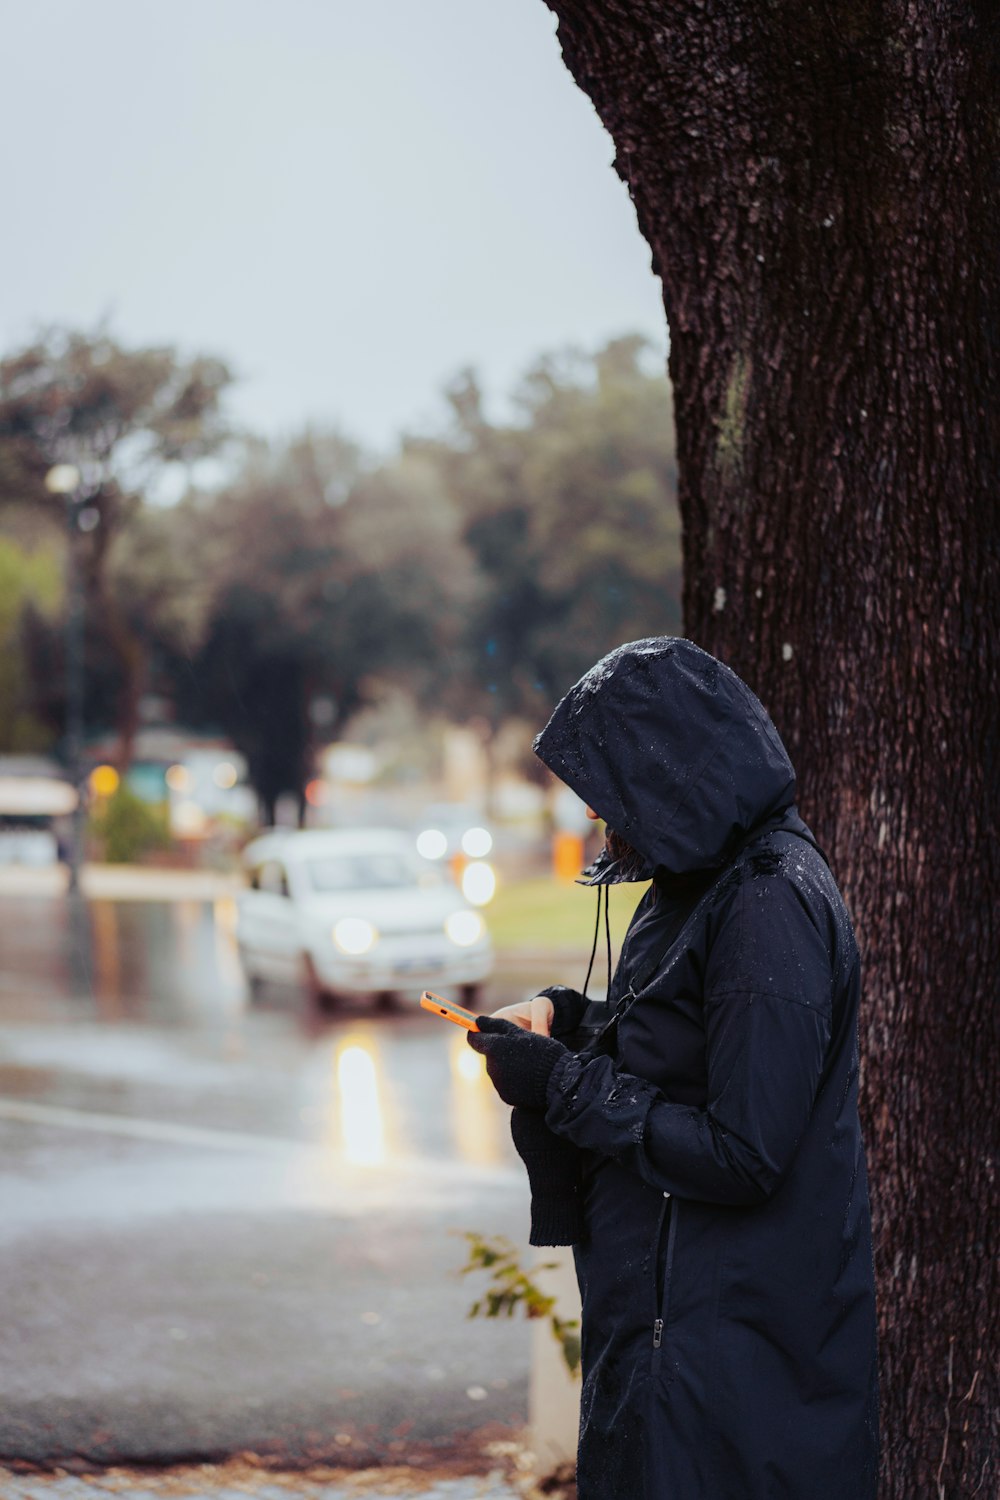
x=510, y=1286
x=130, y=827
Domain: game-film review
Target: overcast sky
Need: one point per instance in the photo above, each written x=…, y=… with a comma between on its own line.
x=347, y=199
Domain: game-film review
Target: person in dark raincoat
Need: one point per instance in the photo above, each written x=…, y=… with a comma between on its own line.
x=702, y=1149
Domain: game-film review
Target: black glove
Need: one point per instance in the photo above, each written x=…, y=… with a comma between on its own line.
x=519, y=1062
x=568, y=1008
x=553, y=1166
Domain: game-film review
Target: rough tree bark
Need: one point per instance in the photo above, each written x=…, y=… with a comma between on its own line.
x=818, y=183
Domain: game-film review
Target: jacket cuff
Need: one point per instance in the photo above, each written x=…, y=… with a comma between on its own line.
x=568, y=1006
x=564, y=1077
x=556, y=1219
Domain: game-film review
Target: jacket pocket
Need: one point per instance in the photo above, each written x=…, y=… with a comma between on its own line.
x=662, y=1267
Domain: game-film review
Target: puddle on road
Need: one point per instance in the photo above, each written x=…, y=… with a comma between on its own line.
x=163, y=1032
x=172, y=962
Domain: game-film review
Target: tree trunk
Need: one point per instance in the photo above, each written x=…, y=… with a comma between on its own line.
x=126, y=645
x=818, y=184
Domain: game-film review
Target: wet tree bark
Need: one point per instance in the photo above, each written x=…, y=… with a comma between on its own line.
x=818, y=184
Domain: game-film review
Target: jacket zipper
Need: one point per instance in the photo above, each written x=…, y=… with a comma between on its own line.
x=663, y=1296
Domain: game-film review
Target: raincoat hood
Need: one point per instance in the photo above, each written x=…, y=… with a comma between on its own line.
x=674, y=752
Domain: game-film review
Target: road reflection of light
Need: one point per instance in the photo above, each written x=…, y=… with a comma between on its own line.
x=190, y=955
x=359, y=1104
x=107, y=958
x=225, y=912
x=467, y=1063
x=475, y=1117
x=233, y=993
x=186, y=918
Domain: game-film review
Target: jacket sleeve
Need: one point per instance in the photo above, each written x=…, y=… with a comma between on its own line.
x=767, y=1008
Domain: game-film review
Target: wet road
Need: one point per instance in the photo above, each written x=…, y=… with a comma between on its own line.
x=230, y=1229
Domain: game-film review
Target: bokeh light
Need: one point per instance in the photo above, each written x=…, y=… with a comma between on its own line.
x=225, y=774
x=104, y=781
x=479, y=883
x=432, y=844
x=477, y=842
x=188, y=819
x=354, y=935
x=464, y=928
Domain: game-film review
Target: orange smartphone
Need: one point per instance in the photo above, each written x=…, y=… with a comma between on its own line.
x=439, y=1006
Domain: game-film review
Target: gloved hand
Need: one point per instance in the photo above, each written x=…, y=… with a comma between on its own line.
x=568, y=1008
x=519, y=1062
x=553, y=1167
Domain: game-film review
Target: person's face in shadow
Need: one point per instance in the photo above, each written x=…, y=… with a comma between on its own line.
x=618, y=847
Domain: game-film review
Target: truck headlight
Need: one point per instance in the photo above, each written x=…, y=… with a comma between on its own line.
x=464, y=928
x=354, y=935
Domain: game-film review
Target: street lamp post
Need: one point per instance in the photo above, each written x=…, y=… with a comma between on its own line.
x=64, y=480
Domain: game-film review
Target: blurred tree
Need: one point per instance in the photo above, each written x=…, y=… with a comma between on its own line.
x=30, y=586
x=121, y=417
x=569, y=512
x=818, y=185
x=327, y=579
x=128, y=827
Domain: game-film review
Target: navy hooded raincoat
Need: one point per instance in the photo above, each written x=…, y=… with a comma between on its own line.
x=726, y=1271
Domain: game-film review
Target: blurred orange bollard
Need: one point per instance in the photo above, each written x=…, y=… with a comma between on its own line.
x=567, y=856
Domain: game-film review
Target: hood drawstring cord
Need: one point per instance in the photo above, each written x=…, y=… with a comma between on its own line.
x=607, y=934
x=601, y=890
x=593, y=946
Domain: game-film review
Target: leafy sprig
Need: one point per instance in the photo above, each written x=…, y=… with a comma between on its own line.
x=510, y=1287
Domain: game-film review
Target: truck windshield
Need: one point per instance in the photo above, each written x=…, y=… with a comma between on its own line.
x=368, y=872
